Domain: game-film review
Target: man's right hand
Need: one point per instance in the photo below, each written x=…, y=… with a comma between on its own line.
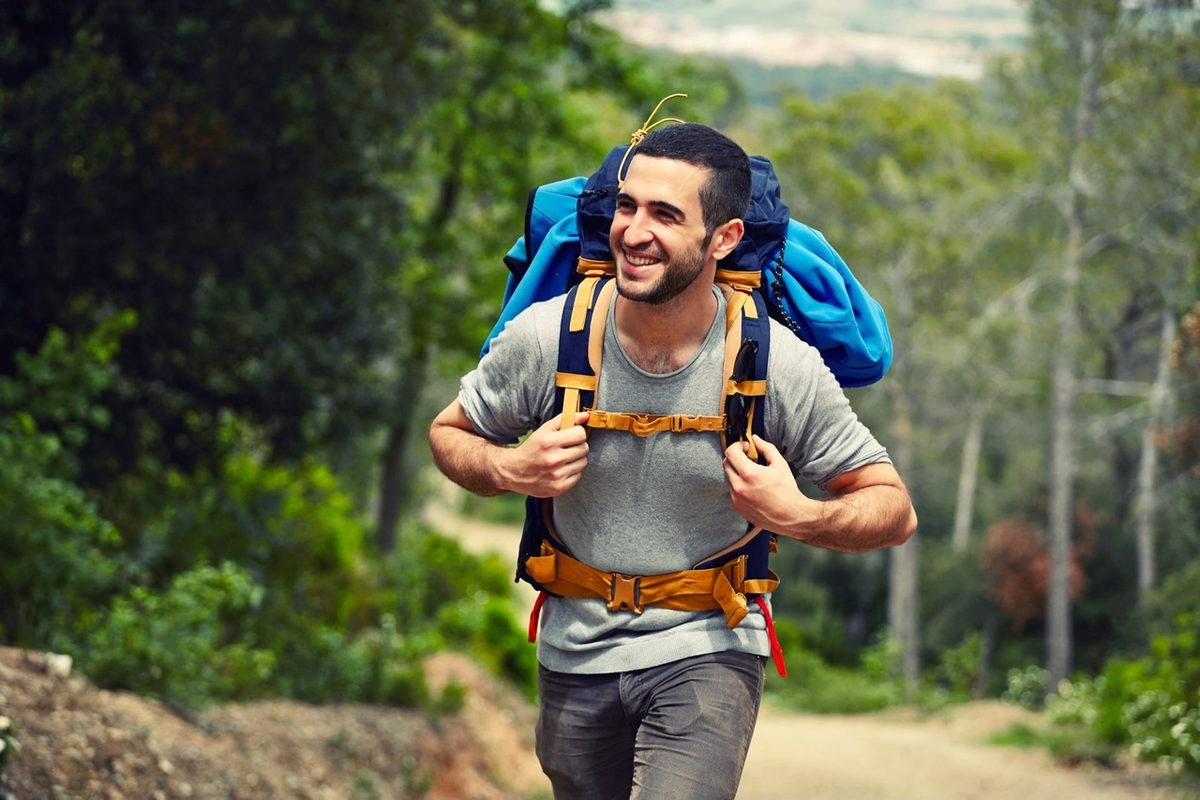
x=549, y=461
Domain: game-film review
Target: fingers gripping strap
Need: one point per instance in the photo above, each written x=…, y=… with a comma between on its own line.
x=570, y=408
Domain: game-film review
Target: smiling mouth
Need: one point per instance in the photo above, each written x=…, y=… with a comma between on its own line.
x=640, y=261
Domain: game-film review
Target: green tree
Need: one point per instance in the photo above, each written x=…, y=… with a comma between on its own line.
x=57, y=551
x=216, y=168
x=893, y=178
x=1091, y=77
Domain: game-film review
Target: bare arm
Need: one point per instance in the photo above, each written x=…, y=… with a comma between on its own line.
x=870, y=507
x=546, y=464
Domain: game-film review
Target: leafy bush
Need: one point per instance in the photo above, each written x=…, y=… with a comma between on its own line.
x=1163, y=718
x=1149, y=705
x=462, y=601
x=1027, y=687
x=291, y=527
x=174, y=645
x=254, y=579
x=485, y=627
x=58, y=554
x=958, y=668
x=816, y=687
x=9, y=744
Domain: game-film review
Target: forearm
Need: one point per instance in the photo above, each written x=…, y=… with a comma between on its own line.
x=547, y=463
x=855, y=522
x=468, y=459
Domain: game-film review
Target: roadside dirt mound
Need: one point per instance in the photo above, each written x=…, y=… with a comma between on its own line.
x=78, y=741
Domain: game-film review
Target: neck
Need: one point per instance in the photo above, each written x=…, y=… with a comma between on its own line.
x=663, y=338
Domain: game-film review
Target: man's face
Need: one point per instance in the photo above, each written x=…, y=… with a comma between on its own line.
x=657, y=236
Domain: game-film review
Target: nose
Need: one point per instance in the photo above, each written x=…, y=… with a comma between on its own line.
x=637, y=231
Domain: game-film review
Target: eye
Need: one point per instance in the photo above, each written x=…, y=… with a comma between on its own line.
x=625, y=205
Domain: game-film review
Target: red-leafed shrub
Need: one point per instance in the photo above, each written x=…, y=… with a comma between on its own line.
x=1016, y=559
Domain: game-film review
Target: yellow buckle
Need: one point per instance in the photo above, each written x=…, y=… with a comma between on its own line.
x=625, y=594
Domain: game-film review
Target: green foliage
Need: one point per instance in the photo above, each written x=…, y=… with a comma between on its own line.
x=293, y=528
x=58, y=554
x=1163, y=719
x=1150, y=705
x=462, y=601
x=814, y=686
x=10, y=745
x=1027, y=687
x=958, y=669
x=175, y=645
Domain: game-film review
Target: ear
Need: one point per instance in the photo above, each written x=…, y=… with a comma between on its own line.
x=726, y=237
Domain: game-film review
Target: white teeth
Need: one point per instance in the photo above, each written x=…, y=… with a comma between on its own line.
x=641, y=262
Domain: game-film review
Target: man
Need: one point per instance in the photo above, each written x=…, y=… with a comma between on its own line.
x=662, y=703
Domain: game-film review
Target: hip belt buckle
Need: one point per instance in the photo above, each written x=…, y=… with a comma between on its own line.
x=625, y=593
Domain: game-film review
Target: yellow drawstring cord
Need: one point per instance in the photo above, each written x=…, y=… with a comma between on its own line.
x=641, y=132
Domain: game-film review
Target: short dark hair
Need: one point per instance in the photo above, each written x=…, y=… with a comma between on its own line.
x=726, y=193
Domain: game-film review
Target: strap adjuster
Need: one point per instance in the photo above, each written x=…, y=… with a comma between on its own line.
x=625, y=593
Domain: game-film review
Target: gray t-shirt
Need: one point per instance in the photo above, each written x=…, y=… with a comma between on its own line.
x=647, y=505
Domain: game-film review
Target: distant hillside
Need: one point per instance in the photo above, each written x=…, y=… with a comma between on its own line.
x=929, y=38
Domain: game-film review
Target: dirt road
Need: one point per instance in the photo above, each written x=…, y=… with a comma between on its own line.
x=899, y=755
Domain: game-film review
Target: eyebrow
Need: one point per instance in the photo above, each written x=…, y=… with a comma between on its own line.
x=663, y=204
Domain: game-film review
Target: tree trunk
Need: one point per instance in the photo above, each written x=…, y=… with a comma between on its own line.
x=968, y=474
x=1064, y=380
x=1145, y=503
x=394, y=479
x=903, y=589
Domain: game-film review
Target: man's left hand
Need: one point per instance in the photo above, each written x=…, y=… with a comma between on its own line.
x=766, y=495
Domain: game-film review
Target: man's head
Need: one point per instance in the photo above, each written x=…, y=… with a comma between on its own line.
x=726, y=193
x=678, y=212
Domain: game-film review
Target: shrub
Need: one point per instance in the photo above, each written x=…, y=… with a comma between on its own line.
x=958, y=669
x=9, y=744
x=175, y=645
x=1027, y=687
x=1163, y=718
x=58, y=554
x=816, y=687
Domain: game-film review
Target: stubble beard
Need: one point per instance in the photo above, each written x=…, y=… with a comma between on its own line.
x=680, y=273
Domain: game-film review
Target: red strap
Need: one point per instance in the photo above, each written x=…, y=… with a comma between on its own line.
x=535, y=615
x=776, y=650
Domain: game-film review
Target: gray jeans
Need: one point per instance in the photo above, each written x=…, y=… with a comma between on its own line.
x=680, y=730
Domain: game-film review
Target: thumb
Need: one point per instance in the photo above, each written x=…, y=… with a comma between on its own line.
x=581, y=417
x=736, y=452
x=769, y=451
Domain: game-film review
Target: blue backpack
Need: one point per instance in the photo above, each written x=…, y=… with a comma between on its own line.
x=781, y=269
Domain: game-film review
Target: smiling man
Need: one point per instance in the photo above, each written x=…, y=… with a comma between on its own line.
x=661, y=701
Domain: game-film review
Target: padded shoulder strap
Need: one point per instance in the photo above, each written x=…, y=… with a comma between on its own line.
x=581, y=346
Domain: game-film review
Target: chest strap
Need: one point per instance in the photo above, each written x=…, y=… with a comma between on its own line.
x=647, y=424
x=723, y=587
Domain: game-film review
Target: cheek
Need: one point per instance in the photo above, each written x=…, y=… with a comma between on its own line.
x=616, y=231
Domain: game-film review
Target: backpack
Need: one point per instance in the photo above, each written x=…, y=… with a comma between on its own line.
x=781, y=269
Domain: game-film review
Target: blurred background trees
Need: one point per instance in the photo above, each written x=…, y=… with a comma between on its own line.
x=246, y=251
